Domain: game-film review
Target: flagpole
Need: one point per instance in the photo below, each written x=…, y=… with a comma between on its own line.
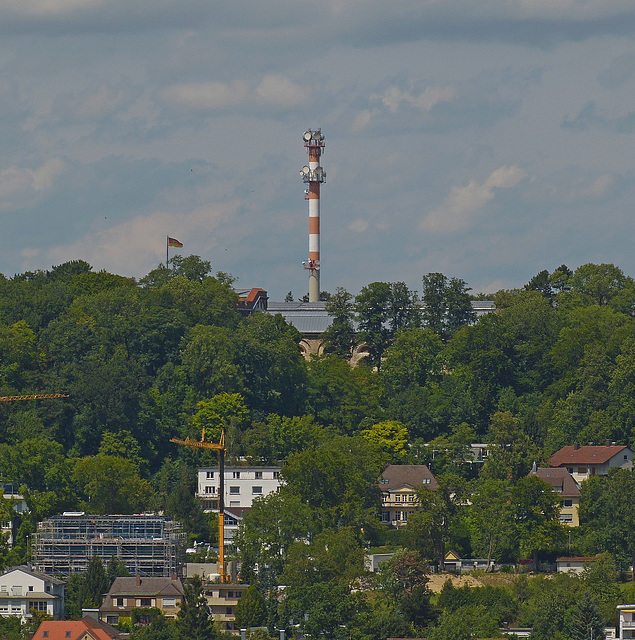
x=167, y=252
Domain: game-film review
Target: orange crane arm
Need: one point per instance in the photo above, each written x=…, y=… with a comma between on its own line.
x=35, y=396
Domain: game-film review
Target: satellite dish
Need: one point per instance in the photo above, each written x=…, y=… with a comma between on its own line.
x=305, y=170
x=307, y=136
x=319, y=171
x=318, y=136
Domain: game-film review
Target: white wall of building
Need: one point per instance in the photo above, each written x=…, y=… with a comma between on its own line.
x=242, y=485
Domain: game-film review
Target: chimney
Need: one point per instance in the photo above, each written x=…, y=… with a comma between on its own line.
x=243, y=634
x=281, y=634
x=576, y=446
x=608, y=443
x=138, y=582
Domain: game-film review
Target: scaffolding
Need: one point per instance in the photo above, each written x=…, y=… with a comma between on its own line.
x=148, y=545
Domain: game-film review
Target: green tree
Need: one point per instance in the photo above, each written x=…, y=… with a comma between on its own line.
x=429, y=530
x=446, y=304
x=193, y=619
x=337, y=480
x=586, y=621
x=536, y=512
x=251, y=610
x=112, y=485
x=339, y=339
x=390, y=436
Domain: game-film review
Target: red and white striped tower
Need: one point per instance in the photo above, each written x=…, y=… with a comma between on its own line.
x=314, y=175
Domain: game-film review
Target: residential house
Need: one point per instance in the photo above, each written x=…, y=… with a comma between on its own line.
x=627, y=621
x=573, y=565
x=585, y=461
x=85, y=629
x=242, y=485
x=23, y=589
x=138, y=592
x=568, y=491
x=221, y=601
x=398, y=485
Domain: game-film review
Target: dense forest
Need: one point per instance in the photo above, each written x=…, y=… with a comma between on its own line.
x=145, y=361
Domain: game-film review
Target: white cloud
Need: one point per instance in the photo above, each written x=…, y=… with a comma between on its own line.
x=207, y=95
x=278, y=91
x=394, y=97
x=138, y=245
x=359, y=225
x=43, y=8
x=454, y=213
x=599, y=187
x=17, y=183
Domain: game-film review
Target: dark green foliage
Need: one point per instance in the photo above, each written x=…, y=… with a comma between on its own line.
x=194, y=621
x=586, y=621
x=251, y=610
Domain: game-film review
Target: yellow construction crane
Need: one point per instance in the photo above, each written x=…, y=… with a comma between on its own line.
x=220, y=447
x=34, y=396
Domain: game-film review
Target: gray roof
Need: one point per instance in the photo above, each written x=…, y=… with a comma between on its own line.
x=313, y=318
x=306, y=317
x=559, y=477
x=147, y=587
x=32, y=572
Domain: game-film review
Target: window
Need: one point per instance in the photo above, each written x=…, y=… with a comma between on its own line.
x=119, y=602
x=385, y=516
x=625, y=457
x=38, y=605
x=229, y=611
x=582, y=470
x=256, y=491
x=234, y=503
x=570, y=469
x=411, y=497
x=566, y=517
x=238, y=594
x=112, y=620
x=236, y=475
x=384, y=480
x=145, y=602
x=210, y=475
x=425, y=481
x=45, y=634
x=67, y=634
x=567, y=503
x=558, y=489
x=276, y=475
x=234, y=490
x=397, y=498
x=169, y=603
x=30, y=588
x=210, y=489
x=258, y=475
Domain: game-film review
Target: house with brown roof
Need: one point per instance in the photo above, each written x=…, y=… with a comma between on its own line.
x=138, y=592
x=398, y=485
x=85, y=629
x=568, y=491
x=582, y=462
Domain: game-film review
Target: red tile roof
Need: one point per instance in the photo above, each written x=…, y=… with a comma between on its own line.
x=589, y=454
x=75, y=629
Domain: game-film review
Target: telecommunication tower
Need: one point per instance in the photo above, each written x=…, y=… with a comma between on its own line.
x=313, y=175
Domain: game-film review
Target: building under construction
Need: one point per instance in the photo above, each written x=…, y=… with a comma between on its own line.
x=148, y=545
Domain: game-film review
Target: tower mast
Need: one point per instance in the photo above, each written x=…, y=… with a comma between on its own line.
x=313, y=175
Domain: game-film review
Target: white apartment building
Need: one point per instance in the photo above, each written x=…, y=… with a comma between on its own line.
x=22, y=589
x=242, y=485
x=19, y=507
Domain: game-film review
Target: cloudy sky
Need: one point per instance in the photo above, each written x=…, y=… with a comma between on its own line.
x=487, y=140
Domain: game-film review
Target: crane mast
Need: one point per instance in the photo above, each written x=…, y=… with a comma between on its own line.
x=220, y=447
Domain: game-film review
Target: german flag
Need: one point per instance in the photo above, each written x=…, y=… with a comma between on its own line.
x=173, y=242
